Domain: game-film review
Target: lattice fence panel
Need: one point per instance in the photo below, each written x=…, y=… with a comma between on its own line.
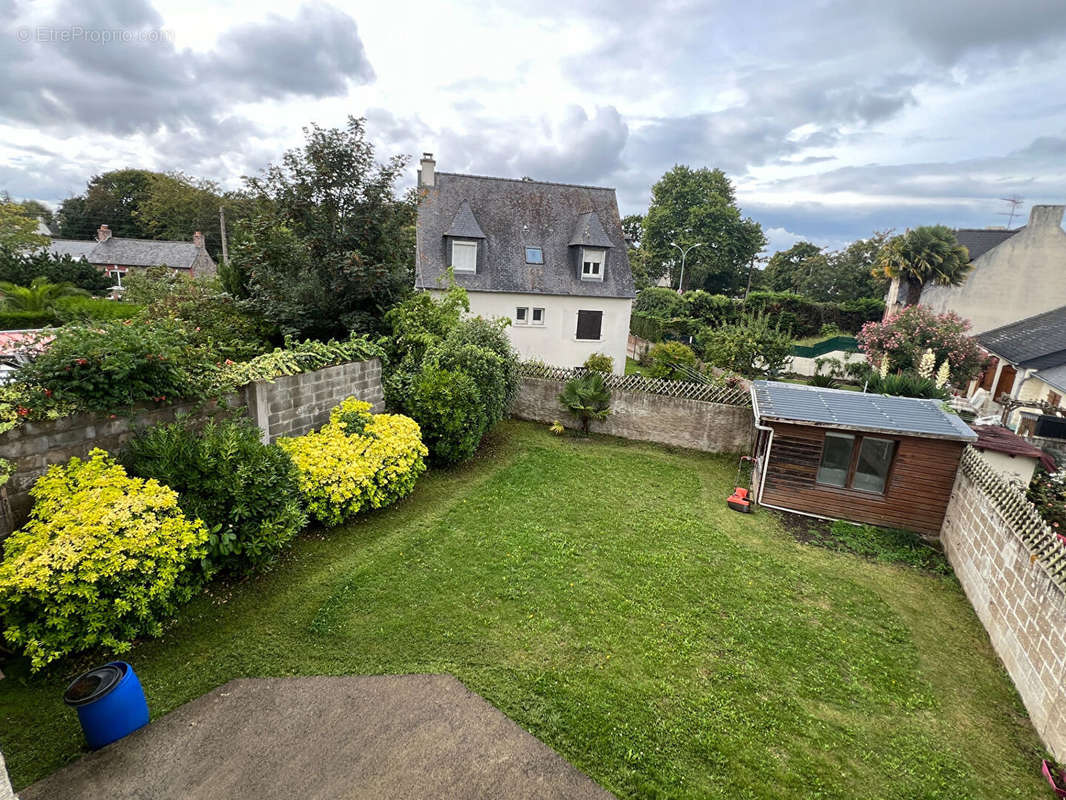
x=1022, y=515
x=707, y=392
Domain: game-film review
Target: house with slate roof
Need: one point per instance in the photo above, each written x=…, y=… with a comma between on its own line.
x=1016, y=274
x=1029, y=364
x=116, y=256
x=550, y=257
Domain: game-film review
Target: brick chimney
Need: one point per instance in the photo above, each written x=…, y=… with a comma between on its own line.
x=198, y=240
x=427, y=174
x=103, y=234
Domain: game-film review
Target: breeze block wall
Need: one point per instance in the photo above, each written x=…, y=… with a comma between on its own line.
x=1013, y=570
x=288, y=406
x=648, y=416
x=293, y=405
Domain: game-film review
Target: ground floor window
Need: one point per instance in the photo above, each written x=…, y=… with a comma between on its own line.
x=589, y=325
x=538, y=316
x=856, y=462
x=521, y=316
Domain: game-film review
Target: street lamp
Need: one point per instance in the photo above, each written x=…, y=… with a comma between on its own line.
x=684, y=252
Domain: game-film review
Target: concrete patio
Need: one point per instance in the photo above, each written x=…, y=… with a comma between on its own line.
x=393, y=736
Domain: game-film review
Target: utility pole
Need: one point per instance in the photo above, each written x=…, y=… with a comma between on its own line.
x=222, y=226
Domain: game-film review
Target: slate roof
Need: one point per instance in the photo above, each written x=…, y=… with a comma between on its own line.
x=856, y=411
x=1003, y=440
x=513, y=215
x=1054, y=377
x=1038, y=341
x=129, y=252
x=464, y=225
x=980, y=240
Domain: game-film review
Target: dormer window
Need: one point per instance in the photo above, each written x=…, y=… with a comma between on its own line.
x=592, y=264
x=534, y=255
x=464, y=256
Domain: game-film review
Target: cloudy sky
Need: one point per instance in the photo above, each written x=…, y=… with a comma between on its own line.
x=834, y=117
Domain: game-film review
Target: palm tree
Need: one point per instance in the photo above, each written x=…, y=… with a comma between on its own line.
x=587, y=398
x=40, y=295
x=927, y=255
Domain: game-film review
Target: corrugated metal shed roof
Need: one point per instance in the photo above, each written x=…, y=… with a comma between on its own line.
x=839, y=408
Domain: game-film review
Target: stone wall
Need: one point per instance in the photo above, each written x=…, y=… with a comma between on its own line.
x=696, y=424
x=289, y=406
x=1006, y=567
x=292, y=405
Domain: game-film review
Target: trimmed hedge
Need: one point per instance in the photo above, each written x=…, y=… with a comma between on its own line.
x=26, y=320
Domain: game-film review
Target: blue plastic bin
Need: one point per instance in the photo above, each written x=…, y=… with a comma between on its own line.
x=110, y=703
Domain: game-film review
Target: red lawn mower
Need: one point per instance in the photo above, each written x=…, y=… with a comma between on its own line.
x=740, y=500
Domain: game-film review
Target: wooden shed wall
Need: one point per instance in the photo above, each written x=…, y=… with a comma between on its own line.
x=916, y=494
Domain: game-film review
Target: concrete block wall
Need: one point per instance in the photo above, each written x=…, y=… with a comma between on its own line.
x=1021, y=607
x=289, y=406
x=645, y=416
x=293, y=405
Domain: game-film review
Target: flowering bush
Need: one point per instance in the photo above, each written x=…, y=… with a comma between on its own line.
x=343, y=472
x=103, y=559
x=906, y=336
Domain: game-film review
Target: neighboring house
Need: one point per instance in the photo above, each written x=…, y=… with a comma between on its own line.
x=1029, y=364
x=860, y=457
x=1013, y=457
x=550, y=257
x=1016, y=273
x=116, y=256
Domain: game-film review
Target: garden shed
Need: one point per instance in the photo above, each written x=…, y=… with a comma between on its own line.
x=860, y=457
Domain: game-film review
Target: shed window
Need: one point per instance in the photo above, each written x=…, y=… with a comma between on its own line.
x=836, y=459
x=534, y=255
x=591, y=264
x=589, y=324
x=871, y=471
x=464, y=256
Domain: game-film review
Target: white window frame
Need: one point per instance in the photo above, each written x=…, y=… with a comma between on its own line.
x=464, y=246
x=533, y=316
x=596, y=257
x=523, y=318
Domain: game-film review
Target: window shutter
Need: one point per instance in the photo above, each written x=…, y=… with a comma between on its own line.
x=588, y=324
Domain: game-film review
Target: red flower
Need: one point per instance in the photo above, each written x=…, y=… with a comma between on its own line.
x=47, y=392
x=23, y=411
x=81, y=362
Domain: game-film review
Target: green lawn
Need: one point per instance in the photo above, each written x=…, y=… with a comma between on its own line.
x=601, y=594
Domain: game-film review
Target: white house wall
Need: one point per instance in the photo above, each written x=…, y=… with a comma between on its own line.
x=555, y=342
x=1013, y=468
x=1021, y=277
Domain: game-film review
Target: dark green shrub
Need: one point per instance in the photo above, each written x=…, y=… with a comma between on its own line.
x=659, y=302
x=822, y=381
x=669, y=360
x=599, y=362
x=587, y=398
x=645, y=326
x=710, y=309
x=109, y=365
x=245, y=491
x=447, y=406
x=905, y=384
x=21, y=267
x=752, y=347
x=84, y=309
x=26, y=320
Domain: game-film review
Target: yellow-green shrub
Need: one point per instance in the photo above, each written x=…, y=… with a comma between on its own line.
x=357, y=461
x=104, y=558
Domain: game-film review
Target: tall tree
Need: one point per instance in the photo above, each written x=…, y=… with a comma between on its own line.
x=788, y=269
x=18, y=229
x=848, y=274
x=111, y=198
x=334, y=210
x=927, y=255
x=698, y=207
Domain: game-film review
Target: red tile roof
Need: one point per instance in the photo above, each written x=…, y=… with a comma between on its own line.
x=1002, y=440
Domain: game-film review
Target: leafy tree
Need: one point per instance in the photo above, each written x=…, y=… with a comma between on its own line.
x=40, y=295
x=788, y=269
x=672, y=361
x=691, y=206
x=927, y=255
x=751, y=346
x=587, y=398
x=18, y=230
x=111, y=198
x=633, y=229
x=659, y=301
x=333, y=207
x=22, y=266
x=848, y=274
